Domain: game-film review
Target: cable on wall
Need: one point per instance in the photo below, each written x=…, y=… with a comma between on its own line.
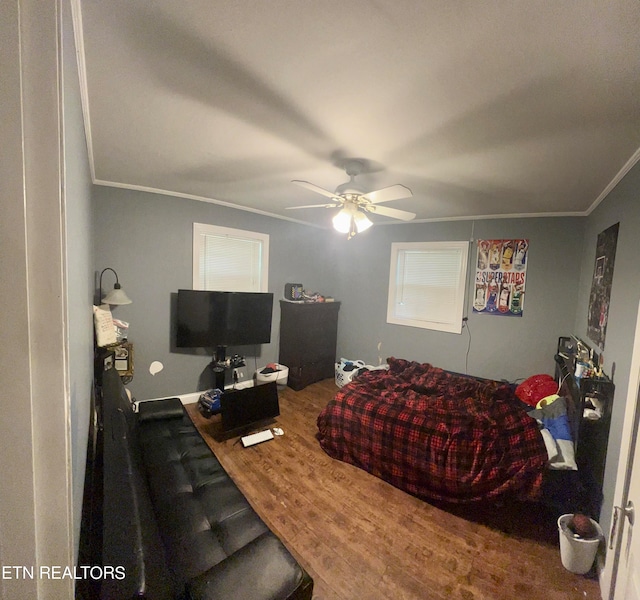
x=471, y=270
x=465, y=320
x=465, y=324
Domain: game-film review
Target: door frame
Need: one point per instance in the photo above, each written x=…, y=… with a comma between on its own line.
x=631, y=423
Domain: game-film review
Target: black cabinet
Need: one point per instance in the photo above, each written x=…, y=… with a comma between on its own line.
x=308, y=334
x=593, y=398
x=593, y=436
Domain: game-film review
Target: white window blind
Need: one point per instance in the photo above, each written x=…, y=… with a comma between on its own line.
x=427, y=285
x=230, y=260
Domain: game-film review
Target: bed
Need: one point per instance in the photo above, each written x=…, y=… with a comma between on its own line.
x=438, y=435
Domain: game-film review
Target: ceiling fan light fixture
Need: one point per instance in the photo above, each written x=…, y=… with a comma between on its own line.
x=354, y=201
x=350, y=219
x=362, y=221
x=342, y=221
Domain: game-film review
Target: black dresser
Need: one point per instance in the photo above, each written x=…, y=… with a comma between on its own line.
x=308, y=333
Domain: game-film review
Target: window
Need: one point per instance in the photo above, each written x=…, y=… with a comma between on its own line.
x=229, y=260
x=427, y=285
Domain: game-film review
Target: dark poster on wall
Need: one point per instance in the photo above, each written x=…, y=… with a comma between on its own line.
x=601, y=285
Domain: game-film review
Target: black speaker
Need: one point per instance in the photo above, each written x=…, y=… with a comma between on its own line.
x=293, y=292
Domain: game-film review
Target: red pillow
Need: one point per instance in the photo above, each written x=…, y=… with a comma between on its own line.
x=535, y=388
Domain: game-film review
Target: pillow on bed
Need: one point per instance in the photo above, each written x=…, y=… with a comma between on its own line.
x=554, y=423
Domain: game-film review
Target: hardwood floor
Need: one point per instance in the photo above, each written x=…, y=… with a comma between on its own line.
x=361, y=538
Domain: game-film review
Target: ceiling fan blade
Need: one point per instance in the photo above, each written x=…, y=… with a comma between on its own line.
x=394, y=213
x=314, y=188
x=393, y=192
x=313, y=206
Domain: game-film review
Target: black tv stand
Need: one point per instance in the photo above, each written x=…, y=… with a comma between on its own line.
x=221, y=363
x=218, y=364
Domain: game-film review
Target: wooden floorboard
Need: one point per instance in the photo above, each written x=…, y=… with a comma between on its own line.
x=361, y=538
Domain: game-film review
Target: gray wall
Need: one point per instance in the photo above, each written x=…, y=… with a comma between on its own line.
x=79, y=267
x=621, y=206
x=501, y=347
x=147, y=239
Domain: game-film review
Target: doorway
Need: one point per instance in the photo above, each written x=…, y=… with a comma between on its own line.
x=625, y=570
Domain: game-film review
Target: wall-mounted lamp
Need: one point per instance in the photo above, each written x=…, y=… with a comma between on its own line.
x=117, y=295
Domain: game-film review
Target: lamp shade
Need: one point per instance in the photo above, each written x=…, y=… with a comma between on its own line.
x=362, y=221
x=117, y=295
x=342, y=221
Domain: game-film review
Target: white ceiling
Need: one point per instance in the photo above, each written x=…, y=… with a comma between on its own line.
x=482, y=108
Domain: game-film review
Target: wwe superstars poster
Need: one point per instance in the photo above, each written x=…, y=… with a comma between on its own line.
x=501, y=274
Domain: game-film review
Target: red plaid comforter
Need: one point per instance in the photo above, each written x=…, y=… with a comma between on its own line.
x=437, y=435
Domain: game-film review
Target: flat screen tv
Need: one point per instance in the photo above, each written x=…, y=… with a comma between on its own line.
x=207, y=319
x=249, y=408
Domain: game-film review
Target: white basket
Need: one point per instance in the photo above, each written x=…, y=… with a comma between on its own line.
x=343, y=377
x=281, y=376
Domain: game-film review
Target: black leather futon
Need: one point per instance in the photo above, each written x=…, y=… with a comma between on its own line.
x=173, y=518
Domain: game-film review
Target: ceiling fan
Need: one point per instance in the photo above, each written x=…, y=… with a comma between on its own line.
x=354, y=202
